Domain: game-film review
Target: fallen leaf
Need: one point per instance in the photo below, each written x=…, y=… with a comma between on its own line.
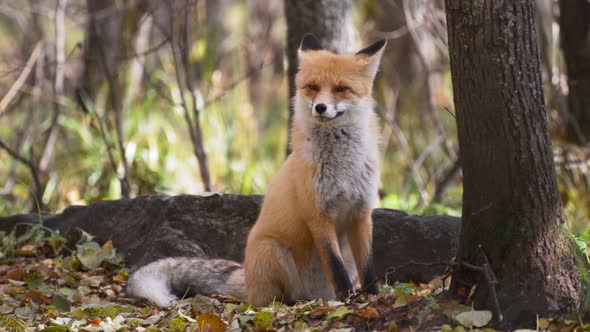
x=28, y=250
x=368, y=312
x=23, y=311
x=15, y=273
x=61, y=303
x=201, y=304
x=208, y=322
x=118, y=279
x=403, y=300
x=34, y=279
x=93, y=281
x=474, y=318
x=90, y=255
x=264, y=320
x=36, y=296
x=94, y=322
x=335, y=304
x=319, y=312
x=339, y=313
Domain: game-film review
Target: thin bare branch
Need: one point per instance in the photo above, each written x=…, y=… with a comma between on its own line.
x=22, y=78
x=103, y=132
x=235, y=83
x=30, y=165
x=443, y=184
x=58, y=87
x=401, y=138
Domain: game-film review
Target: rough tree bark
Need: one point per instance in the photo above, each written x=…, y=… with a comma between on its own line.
x=156, y=226
x=329, y=20
x=512, y=212
x=575, y=43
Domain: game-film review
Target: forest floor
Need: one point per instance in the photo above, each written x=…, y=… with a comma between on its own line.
x=47, y=287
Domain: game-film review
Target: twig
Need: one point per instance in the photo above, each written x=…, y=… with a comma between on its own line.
x=21, y=136
x=442, y=185
x=45, y=66
x=428, y=150
x=21, y=78
x=185, y=56
x=490, y=277
x=134, y=55
x=32, y=168
x=492, y=281
x=401, y=138
x=103, y=132
x=236, y=82
x=451, y=113
x=395, y=34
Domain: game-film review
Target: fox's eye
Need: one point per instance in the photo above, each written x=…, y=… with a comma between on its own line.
x=341, y=88
x=313, y=87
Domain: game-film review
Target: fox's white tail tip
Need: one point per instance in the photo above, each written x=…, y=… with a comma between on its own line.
x=153, y=288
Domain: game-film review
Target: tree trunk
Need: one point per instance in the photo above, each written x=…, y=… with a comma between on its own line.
x=329, y=20
x=112, y=26
x=575, y=28
x=109, y=18
x=512, y=212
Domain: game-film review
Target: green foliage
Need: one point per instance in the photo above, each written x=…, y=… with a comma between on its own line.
x=263, y=320
x=411, y=204
x=35, y=235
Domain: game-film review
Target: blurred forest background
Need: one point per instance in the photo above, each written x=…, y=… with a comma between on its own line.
x=118, y=98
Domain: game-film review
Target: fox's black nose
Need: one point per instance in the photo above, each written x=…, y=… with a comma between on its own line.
x=321, y=108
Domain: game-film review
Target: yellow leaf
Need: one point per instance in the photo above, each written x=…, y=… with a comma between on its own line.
x=210, y=323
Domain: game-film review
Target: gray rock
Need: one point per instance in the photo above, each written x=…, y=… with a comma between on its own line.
x=151, y=227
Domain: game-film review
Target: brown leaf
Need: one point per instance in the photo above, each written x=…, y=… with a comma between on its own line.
x=36, y=296
x=16, y=273
x=319, y=312
x=368, y=313
x=210, y=323
x=93, y=281
x=118, y=279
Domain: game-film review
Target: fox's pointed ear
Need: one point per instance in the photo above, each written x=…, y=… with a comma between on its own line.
x=310, y=43
x=372, y=54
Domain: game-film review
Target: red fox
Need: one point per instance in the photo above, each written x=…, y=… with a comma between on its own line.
x=313, y=236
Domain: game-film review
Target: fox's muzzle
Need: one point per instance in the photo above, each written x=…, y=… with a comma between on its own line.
x=325, y=111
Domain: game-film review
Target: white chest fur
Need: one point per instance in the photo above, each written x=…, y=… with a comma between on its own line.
x=346, y=179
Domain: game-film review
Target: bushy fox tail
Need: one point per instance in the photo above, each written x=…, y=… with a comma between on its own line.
x=165, y=280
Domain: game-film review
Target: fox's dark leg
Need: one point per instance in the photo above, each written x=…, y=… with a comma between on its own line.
x=360, y=237
x=326, y=242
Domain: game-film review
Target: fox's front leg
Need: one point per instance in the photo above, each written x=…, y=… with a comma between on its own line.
x=326, y=243
x=360, y=237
